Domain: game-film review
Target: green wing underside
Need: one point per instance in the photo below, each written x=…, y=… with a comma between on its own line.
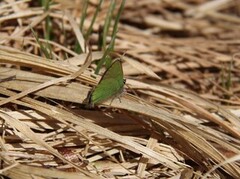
x=102, y=92
x=110, y=84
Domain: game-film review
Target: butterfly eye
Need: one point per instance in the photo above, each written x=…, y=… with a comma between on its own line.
x=124, y=80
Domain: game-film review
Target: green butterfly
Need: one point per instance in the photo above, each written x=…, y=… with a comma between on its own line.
x=110, y=85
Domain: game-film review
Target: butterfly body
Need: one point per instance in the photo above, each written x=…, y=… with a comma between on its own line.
x=110, y=85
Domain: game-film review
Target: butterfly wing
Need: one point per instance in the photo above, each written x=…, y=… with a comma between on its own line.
x=111, y=83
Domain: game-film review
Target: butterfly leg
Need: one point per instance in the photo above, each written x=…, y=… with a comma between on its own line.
x=114, y=98
x=119, y=98
x=111, y=101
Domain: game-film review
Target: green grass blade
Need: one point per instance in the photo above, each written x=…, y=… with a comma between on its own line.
x=107, y=23
x=48, y=23
x=77, y=47
x=84, y=14
x=105, y=56
x=43, y=49
x=89, y=31
x=115, y=28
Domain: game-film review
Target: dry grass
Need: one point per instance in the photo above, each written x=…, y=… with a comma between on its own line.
x=179, y=114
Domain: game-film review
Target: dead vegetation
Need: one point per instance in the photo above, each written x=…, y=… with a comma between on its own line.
x=179, y=114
